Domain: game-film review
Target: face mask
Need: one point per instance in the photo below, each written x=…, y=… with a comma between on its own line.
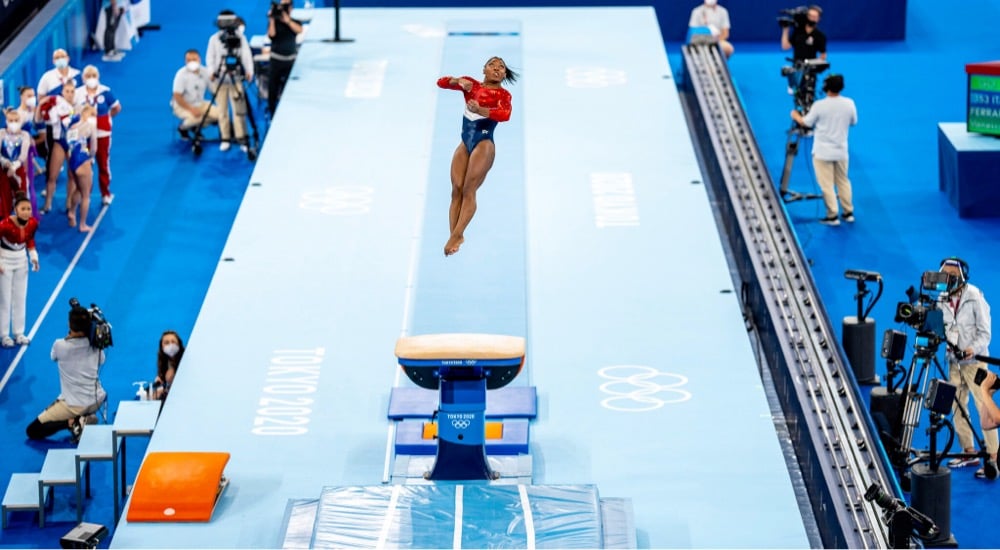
x=241, y=28
x=193, y=66
x=91, y=83
x=711, y=2
x=171, y=349
x=62, y=63
x=13, y=127
x=31, y=102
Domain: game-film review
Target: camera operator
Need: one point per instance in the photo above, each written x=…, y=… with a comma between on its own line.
x=81, y=394
x=283, y=32
x=967, y=330
x=805, y=40
x=831, y=117
x=716, y=18
x=231, y=68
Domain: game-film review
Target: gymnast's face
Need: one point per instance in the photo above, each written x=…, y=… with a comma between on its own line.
x=495, y=70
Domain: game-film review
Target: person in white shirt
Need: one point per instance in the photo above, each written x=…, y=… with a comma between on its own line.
x=81, y=393
x=188, y=101
x=50, y=85
x=716, y=18
x=228, y=74
x=53, y=79
x=831, y=118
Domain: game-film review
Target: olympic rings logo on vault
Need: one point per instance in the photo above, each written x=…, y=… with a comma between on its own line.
x=460, y=424
x=594, y=77
x=641, y=388
x=344, y=200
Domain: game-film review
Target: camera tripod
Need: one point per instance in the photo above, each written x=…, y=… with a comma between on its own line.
x=804, y=95
x=914, y=389
x=233, y=75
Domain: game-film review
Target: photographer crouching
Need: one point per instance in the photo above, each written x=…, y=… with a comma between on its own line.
x=283, y=32
x=967, y=329
x=80, y=390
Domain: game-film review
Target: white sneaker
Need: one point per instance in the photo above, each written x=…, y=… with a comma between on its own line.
x=7, y=342
x=108, y=199
x=22, y=340
x=224, y=146
x=114, y=56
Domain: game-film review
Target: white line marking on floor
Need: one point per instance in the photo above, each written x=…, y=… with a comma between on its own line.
x=52, y=298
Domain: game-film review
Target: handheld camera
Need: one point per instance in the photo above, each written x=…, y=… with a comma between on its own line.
x=99, y=330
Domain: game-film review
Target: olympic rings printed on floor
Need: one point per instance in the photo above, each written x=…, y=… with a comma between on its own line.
x=637, y=388
x=594, y=77
x=343, y=200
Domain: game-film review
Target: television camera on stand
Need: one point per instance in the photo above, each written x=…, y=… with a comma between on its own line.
x=804, y=95
x=231, y=71
x=897, y=413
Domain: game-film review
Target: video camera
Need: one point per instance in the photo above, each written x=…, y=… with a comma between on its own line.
x=904, y=521
x=232, y=42
x=793, y=17
x=805, y=90
x=277, y=8
x=921, y=311
x=981, y=375
x=99, y=331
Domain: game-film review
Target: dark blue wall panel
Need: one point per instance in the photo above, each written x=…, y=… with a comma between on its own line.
x=753, y=20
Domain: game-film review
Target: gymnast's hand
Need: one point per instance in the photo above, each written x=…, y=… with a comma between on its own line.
x=473, y=106
x=465, y=84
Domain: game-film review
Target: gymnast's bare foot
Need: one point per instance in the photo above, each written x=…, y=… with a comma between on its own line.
x=84, y=228
x=452, y=245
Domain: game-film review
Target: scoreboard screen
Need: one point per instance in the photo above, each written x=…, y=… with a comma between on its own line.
x=984, y=104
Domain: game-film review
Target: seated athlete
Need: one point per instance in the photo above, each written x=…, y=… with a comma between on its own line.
x=486, y=104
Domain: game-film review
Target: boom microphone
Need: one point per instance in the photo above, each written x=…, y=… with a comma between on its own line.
x=988, y=360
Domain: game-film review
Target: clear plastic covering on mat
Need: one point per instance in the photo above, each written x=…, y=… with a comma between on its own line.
x=459, y=516
x=300, y=514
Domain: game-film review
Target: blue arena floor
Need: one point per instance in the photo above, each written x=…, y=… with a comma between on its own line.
x=605, y=248
x=588, y=233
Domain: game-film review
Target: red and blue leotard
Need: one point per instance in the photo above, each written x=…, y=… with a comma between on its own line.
x=476, y=127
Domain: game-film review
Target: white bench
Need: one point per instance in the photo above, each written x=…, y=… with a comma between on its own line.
x=59, y=468
x=133, y=418
x=21, y=494
x=96, y=444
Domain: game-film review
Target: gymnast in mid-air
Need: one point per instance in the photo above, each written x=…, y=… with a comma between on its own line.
x=486, y=104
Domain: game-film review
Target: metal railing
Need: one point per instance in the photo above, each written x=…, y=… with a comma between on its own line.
x=834, y=440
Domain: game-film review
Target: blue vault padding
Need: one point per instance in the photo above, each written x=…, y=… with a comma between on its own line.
x=506, y=402
x=410, y=440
